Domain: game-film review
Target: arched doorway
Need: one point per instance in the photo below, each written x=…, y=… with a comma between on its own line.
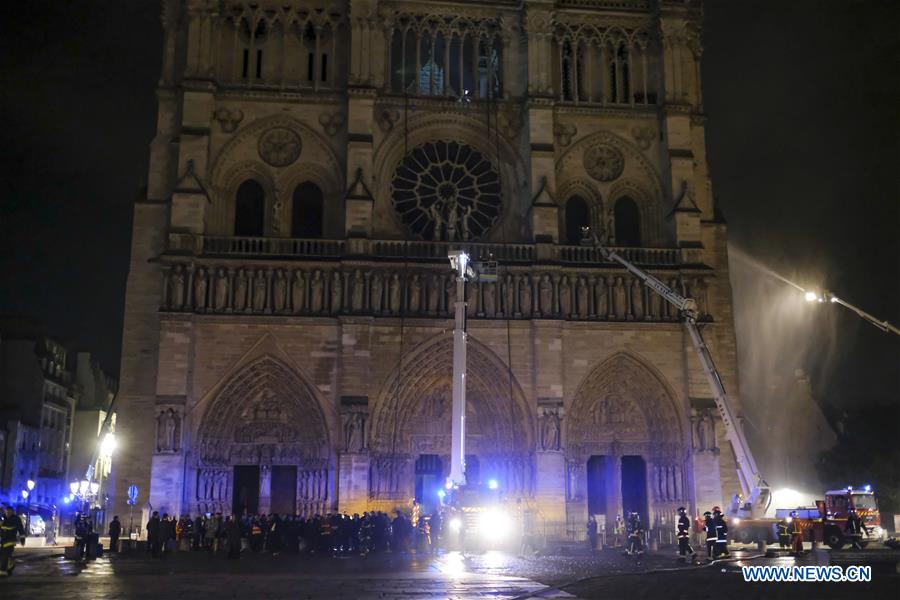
x=250, y=209
x=306, y=211
x=628, y=223
x=625, y=443
x=263, y=446
x=578, y=215
x=411, y=421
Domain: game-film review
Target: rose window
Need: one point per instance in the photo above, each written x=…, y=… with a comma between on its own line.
x=446, y=190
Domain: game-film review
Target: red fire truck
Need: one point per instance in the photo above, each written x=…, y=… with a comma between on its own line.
x=824, y=522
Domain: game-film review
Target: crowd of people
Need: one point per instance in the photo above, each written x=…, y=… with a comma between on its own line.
x=332, y=533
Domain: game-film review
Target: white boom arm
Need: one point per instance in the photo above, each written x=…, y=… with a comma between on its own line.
x=754, y=487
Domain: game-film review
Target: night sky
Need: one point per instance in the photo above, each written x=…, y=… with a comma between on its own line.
x=803, y=142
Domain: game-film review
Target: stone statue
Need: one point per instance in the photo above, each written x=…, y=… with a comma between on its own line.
x=394, y=294
x=166, y=437
x=298, y=291
x=546, y=291
x=565, y=297
x=435, y=287
x=488, y=295
x=359, y=289
x=259, y=291
x=472, y=308
x=177, y=301
x=279, y=290
x=550, y=430
x=619, y=299
x=200, y=289
x=581, y=293
x=601, y=296
x=637, y=299
x=655, y=309
x=354, y=424
x=509, y=289
x=337, y=292
x=240, y=290
x=221, y=292
x=525, y=296
x=415, y=294
x=316, y=286
x=375, y=298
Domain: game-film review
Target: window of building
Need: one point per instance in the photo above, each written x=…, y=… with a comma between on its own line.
x=462, y=64
x=577, y=216
x=250, y=209
x=619, y=76
x=306, y=216
x=628, y=223
x=252, y=52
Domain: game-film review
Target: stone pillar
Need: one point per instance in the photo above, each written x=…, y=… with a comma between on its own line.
x=353, y=482
x=550, y=490
x=166, y=483
x=265, y=489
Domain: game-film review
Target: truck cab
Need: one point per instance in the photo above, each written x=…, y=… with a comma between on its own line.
x=837, y=506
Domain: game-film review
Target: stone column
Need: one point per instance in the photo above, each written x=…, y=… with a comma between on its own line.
x=265, y=489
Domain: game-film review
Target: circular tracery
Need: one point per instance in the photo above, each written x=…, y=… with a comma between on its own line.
x=445, y=190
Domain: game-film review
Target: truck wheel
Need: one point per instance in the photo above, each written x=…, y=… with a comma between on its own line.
x=834, y=539
x=745, y=536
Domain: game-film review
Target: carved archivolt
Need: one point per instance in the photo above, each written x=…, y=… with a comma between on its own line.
x=623, y=401
x=412, y=414
x=265, y=414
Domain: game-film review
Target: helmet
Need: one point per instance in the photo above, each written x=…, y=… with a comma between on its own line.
x=793, y=513
x=853, y=510
x=707, y=514
x=716, y=509
x=682, y=509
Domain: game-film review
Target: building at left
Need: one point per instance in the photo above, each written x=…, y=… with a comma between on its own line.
x=48, y=400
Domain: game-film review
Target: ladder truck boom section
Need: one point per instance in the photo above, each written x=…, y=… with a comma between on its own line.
x=753, y=486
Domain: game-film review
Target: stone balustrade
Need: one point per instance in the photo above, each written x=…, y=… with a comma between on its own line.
x=409, y=289
x=415, y=250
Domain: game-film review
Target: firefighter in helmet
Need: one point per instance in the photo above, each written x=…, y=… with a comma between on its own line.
x=635, y=534
x=796, y=534
x=784, y=535
x=11, y=532
x=721, y=532
x=709, y=528
x=683, y=531
x=855, y=528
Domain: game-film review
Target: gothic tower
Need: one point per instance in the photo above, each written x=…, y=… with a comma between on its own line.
x=287, y=338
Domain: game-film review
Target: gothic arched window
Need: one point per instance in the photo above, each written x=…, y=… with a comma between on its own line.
x=619, y=75
x=306, y=211
x=250, y=209
x=628, y=223
x=252, y=54
x=578, y=215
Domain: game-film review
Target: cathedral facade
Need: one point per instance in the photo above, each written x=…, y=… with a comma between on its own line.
x=288, y=332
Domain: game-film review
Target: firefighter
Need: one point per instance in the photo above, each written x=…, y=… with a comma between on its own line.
x=683, y=531
x=796, y=534
x=855, y=528
x=709, y=527
x=11, y=532
x=784, y=536
x=635, y=535
x=721, y=532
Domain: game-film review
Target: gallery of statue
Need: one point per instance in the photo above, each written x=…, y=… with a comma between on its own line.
x=288, y=334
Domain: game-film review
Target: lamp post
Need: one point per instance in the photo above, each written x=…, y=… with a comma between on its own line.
x=26, y=494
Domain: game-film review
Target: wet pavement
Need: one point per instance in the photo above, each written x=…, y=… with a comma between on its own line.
x=45, y=574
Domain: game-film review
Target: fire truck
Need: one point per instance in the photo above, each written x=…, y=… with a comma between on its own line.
x=747, y=511
x=824, y=522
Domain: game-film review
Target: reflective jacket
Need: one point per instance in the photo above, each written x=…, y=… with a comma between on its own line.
x=11, y=530
x=684, y=527
x=721, y=529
